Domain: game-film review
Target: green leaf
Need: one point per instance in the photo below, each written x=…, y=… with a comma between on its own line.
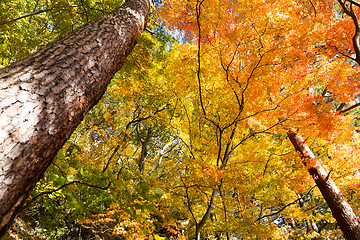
x=60, y=155
x=70, y=198
x=53, y=177
x=70, y=178
x=158, y=191
x=150, y=198
x=65, y=165
x=145, y=187
x=150, y=206
x=60, y=181
x=50, y=209
x=138, y=206
x=79, y=210
x=103, y=178
x=72, y=205
x=67, y=192
x=143, y=195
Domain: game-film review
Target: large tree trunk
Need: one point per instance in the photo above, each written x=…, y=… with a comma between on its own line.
x=340, y=209
x=44, y=96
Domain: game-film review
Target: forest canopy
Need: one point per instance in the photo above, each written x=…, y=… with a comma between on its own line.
x=190, y=139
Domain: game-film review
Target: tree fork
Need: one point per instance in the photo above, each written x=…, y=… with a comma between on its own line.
x=340, y=209
x=44, y=97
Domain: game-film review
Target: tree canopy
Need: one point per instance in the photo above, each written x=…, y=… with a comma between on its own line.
x=190, y=139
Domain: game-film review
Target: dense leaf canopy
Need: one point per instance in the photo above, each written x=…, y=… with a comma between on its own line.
x=190, y=137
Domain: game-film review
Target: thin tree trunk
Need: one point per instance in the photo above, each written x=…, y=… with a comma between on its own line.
x=162, y=153
x=225, y=211
x=201, y=224
x=340, y=209
x=44, y=96
x=111, y=157
x=144, y=152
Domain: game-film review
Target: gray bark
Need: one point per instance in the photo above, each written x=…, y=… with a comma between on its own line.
x=44, y=96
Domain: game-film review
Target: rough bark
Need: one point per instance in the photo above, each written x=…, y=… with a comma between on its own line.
x=44, y=96
x=340, y=209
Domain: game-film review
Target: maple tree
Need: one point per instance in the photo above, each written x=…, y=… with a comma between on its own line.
x=192, y=28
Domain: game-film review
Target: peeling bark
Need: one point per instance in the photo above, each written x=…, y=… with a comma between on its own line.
x=340, y=209
x=44, y=96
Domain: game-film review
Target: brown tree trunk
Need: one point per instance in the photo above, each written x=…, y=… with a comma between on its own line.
x=144, y=146
x=44, y=96
x=199, y=226
x=340, y=209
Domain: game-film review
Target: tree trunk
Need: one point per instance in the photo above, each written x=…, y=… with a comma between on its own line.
x=201, y=224
x=161, y=156
x=44, y=96
x=144, y=151
x=340, y=209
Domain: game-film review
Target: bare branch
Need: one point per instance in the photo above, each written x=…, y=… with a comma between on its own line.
x=350, y=12
x=61, y=187
x=312, y=4
x=349, y=108
x=8, y=21
x=354, y=2
x=111, y=157
x=198, y=12
x=341, y=53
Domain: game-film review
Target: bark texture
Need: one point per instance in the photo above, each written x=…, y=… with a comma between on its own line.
x=44, y=96
x=340, y=209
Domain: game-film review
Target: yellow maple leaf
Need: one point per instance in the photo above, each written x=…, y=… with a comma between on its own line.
x=72, y=171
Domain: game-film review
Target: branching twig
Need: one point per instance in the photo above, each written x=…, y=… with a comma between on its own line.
x=111, y=157
x=61, y=187
x=349, y=108
x=350, y=12
x=24, y=16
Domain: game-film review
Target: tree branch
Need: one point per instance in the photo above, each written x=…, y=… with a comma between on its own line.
x=350, y=12
x=111, y=157
x=63, y=186
x=201, y=224
x=349, y=108
x=8, y=21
